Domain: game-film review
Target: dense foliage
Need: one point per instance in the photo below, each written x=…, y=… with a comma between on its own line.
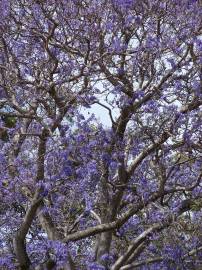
x=77, y=193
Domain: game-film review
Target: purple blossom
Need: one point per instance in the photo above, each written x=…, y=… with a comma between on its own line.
x=171, y=61
x=95, y=266
x=105, y=175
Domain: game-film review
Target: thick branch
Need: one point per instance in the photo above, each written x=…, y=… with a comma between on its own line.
x=20, y=237
x=139, y=240
x=156, y=259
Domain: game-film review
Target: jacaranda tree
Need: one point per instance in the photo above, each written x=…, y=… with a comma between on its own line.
x=75, y=193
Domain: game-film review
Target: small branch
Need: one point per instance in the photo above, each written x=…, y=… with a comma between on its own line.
x=140, y=263
x=18, y=115
x=109, y=110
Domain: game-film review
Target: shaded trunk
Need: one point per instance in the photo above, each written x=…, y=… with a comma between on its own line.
x=103, y=247
x=104, y=240
x=21, y=253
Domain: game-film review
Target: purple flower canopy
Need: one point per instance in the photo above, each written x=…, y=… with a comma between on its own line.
x=120, y=192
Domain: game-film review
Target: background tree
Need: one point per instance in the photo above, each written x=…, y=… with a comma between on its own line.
x=75, y=193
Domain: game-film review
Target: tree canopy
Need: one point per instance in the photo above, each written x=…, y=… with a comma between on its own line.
x=77, y=193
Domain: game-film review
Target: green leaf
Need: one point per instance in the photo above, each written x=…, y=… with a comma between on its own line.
x=9, y=121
